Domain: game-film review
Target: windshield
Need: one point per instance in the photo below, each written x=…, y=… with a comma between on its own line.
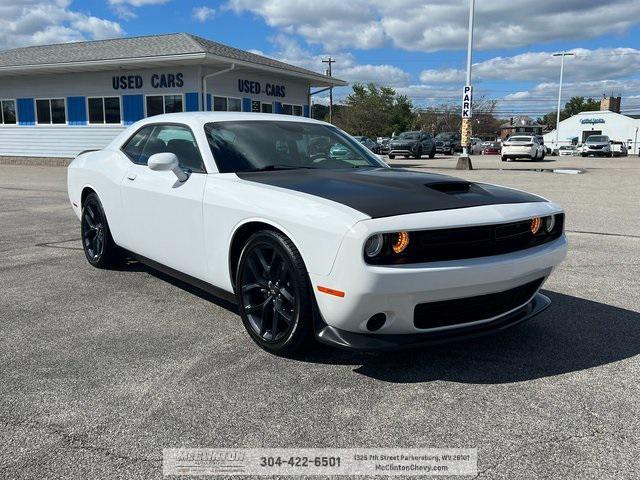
x=408, y=136
x=597, y=139
x=521, y=139
x=247, y=146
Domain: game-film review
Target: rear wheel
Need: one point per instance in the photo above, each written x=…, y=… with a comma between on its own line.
x=99, y=247
x=273, y=293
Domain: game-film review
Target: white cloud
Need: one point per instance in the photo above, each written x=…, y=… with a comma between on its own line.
x=598, y=64
x=202, y=14
x=36, y=22
x=442, y=24
x=124, y=8
x=137, y=3
x=345, y=68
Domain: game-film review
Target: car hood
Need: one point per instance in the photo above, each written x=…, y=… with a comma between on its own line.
x=385, y=192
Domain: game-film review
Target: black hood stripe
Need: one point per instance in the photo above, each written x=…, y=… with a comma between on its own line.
x=385, y=192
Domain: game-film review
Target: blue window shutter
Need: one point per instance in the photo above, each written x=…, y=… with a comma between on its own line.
x=246, y=104
x=132, y=108
x=191, y=102
x=76, y=111
x=208, y=102
x=305, y=110
x=278, y=107
x=26, y=111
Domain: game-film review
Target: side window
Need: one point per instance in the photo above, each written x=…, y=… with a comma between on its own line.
x=134, y=148
x=179, y=140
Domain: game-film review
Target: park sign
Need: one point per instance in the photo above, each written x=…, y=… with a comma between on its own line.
x=467, y=95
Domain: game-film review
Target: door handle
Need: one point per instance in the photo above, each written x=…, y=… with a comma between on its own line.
x=131, y=176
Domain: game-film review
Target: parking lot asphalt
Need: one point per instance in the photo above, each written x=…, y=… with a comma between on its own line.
x=100, y=370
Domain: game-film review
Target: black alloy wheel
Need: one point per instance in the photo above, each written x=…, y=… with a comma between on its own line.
x=418, y=153
x=98, y=245
x=273, y=293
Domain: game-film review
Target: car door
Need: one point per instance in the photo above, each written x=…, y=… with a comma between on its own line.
x=163, y=216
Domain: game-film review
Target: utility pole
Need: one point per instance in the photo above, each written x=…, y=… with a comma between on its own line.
x=330, y=61
x=464, y=161
x=560, y=54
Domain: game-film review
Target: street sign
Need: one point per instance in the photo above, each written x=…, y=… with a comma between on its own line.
x=467, y=96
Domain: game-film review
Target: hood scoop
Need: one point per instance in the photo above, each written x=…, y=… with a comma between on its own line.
x=450, y=186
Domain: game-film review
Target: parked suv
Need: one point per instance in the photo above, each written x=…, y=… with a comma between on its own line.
x=412, y=144
x=597, y=145
x=448, y=142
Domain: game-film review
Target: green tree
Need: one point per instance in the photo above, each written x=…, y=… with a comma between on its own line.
x=374, y=111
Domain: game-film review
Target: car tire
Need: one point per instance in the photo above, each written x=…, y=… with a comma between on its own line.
x=274, y=293
x=418, y=154
x=583, y=154
x=98, y=245
x=391, y=157
x=504, y=159
x=432, y=153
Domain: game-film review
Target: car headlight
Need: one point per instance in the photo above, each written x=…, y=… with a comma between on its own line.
x=400, y=242
x=374, y=245
x=550, y=223
x=395, y=243
x=536, y=223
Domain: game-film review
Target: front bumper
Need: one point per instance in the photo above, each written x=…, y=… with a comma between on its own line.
x=396, y=290
x=372, y=342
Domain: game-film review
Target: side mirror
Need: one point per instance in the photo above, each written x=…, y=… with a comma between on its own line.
x=162, y=162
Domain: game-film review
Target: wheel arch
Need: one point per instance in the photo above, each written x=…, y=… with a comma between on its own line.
x=241, y=234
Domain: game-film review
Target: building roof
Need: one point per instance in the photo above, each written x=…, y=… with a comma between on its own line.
x=153, y=46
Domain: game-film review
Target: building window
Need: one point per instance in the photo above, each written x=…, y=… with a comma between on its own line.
x=219, y=104
x=297, y=110
x=159, y=104
x=267, y=107
x=224, y=104
x=51, y=111
x=104, y=110
x=234, y=104
x=287, y=109
x=8, y=112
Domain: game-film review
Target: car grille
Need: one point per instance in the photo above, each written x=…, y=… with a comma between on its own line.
x=596, y=147
x=465, y=310
x=470, y=242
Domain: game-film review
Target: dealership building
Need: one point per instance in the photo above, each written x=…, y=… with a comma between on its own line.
x=576, y=129
x=58, y=100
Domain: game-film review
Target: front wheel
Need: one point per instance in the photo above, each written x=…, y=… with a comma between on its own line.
x=97, y=243
x=391, y=157
x=273, y=293
x=432, y=153
x=418, y=153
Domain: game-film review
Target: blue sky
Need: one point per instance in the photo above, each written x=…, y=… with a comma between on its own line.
x=415, y=46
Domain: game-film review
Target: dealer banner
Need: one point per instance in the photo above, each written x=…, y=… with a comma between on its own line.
x=319, y=461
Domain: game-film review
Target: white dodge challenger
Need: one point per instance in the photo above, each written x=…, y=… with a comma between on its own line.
x=312, y=235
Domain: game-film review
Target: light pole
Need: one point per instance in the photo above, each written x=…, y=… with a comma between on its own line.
x=560, y=54
x=464, y=161
x=330, y=61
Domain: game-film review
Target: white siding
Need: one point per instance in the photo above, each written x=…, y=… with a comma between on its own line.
x=40, y=141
